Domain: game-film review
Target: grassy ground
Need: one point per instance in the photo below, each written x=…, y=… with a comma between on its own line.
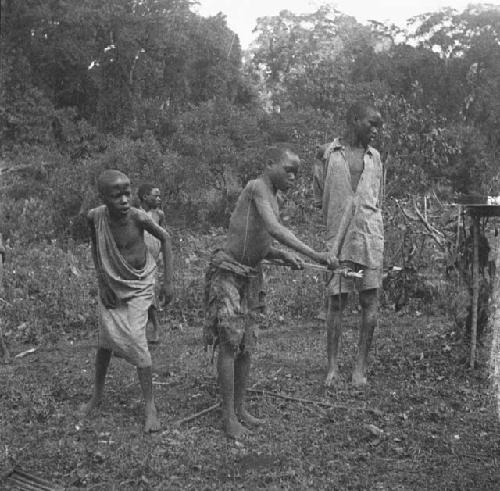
x=424, y=422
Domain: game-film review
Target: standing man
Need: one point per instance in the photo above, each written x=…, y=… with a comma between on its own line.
x=352, y=196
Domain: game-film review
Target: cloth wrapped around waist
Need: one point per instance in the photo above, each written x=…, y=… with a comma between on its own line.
x=122, y=324
x=232, y=302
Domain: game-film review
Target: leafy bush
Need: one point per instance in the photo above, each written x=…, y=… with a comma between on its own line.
x=49, y=292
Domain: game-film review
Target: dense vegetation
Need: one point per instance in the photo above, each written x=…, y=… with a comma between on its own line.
x=159, y=91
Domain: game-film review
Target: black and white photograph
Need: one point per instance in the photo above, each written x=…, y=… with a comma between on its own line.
x=249, y=245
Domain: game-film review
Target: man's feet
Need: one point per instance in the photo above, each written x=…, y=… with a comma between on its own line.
x=152, y=423
x=358, y=379
x=234, y=429
x=248, y=419
x=85, y=409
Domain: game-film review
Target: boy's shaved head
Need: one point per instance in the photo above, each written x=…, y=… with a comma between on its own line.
x=108, y=178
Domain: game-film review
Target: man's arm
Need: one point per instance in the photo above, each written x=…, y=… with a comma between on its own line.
x=93, y=240
x=319, y=176
x=274, y=227
x=163, y=236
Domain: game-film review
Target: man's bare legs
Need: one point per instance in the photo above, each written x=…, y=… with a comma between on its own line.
x=146, y=380
x=369, y=306
x=336, y=303
x=102, y=359
x=241, y=375
x=226, y=373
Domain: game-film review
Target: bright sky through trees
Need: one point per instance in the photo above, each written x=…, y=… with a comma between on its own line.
x=242, y=14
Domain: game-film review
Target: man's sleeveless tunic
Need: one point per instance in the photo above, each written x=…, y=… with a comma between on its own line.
x=363, y=235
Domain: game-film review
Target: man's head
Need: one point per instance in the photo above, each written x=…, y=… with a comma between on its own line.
x=149, y=195
x=114, y=190
x=282, y=166
x=364, y=121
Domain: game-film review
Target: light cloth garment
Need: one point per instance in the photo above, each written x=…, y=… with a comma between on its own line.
x=353, y=218
x=122, y=328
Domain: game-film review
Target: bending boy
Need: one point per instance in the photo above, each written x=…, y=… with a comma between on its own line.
x=125, y=274
x=232, y=280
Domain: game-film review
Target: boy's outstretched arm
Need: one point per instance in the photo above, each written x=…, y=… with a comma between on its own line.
x=166, y=247
x=278, y=231
x=290, y=258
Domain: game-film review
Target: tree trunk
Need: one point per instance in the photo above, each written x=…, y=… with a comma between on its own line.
x=495, y=329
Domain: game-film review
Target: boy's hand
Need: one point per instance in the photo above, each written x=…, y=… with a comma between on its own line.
x=166, y=294
x=328, y=259
x=293, y=260
x=332, y=261
x=108, y=297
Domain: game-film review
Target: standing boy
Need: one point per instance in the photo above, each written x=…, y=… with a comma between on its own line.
x=352, y=197
x=150, y=202
x=232, y=286
x=125, y=274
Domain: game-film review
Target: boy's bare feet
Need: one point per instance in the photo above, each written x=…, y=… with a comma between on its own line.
x=85, y=409
x=248, y=419
x=234, y=429
x=152, y=423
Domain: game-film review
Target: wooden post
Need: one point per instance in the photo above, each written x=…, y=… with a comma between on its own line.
x=475, y=288
x=1, y=264
x=495, y=328
x=4, y=352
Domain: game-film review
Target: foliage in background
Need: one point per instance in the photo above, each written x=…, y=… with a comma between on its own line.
x=156, y=90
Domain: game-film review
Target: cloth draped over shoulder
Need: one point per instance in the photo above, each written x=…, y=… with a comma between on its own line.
x=122, y=328
x=353, y=219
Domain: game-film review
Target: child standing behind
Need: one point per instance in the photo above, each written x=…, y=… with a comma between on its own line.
x=150, y=201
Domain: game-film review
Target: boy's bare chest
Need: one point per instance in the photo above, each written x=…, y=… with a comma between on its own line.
x=126, y=236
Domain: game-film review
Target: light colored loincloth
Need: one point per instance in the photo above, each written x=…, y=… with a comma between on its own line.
x=122, y=326
x=123, y=330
